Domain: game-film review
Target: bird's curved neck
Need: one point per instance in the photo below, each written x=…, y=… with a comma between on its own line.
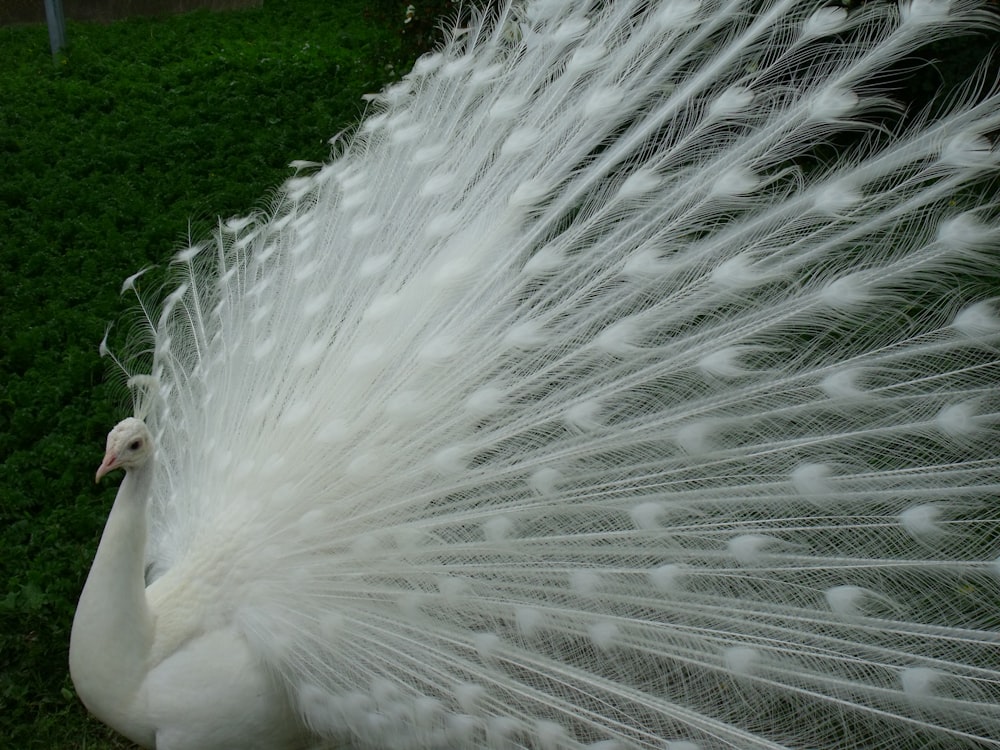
x=113, y=627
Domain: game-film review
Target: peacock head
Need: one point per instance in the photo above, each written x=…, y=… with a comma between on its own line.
x=130, y=445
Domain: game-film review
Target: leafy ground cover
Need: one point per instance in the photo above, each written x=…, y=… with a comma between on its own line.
x=144, y=128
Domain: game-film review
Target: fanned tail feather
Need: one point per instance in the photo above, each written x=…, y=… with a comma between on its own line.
x=579, y=401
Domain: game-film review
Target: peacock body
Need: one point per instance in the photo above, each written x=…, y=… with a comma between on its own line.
x=581, y=401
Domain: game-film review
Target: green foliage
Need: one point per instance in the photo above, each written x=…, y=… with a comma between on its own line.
x=146, y=127
x=423, y=20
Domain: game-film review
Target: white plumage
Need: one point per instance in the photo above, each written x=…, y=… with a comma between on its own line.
x=578, y=402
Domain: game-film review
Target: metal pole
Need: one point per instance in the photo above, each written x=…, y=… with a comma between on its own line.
x=57, y=26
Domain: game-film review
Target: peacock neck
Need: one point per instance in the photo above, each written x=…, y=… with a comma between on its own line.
x=113, y=628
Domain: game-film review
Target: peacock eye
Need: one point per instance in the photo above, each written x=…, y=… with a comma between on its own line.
x=135, y=445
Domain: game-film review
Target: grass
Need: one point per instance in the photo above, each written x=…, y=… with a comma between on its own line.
x=143, y=127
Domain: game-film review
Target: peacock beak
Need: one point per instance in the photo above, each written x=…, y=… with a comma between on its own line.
x=109, y=463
